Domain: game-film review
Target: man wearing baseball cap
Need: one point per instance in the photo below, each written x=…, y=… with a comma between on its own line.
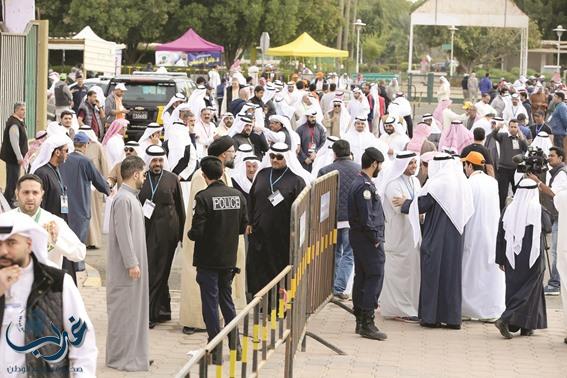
x=483, y=282
x=113, y=105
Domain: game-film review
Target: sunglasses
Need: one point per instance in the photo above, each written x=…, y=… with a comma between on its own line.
x=128, y=149
x=337, y=106
x=276, y=156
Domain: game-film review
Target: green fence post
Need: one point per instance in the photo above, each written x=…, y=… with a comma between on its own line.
x=430, y=82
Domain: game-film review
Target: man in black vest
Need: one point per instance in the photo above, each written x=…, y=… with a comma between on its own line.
x=35, y=299
x=14, y=148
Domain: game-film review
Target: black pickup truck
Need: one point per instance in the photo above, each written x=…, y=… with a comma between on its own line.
x=146, y=95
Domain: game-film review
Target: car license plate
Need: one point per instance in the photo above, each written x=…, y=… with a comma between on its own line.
x=140, y=115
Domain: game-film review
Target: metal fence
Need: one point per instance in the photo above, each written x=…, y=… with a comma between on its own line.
x=278, y=314
x=18, y=75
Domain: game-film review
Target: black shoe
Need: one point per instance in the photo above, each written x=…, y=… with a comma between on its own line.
x=565, y=341
x=151, y=362
x=430, y=325
x=503, y=328
x=526, y=332
x=453, y=326
x=358, y=317
x=368, y=329
x=189, y=330
x=153, y=324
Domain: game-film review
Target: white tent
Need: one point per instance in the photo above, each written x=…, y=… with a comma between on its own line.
x=99, y=55
x=484, y=13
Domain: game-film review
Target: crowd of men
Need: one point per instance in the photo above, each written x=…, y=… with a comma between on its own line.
x=438, y=222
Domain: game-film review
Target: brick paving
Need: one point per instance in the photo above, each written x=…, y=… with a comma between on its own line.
x=475, y=351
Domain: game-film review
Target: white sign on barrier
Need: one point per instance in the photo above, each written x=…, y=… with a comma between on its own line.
x=302, y=229
x=325, y=205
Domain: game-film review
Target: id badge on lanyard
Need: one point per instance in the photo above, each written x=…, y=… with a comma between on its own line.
x=64, y=204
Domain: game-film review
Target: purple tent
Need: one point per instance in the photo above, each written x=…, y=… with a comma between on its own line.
x=190, y=42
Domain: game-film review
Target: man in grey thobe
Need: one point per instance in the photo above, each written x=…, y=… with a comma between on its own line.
x=127, y=297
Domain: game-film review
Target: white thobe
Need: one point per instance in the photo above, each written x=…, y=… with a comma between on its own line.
x=400, y=293
x=397, y=142
x=114, y=150
x=512, y=112
x=205, y=134
x=560, y=201
x=82, y=358
x=360, y=141
x=484, y=285
x=67, y=244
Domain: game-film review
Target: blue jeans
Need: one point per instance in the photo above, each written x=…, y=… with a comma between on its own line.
x=343, y=261
x=554, y=275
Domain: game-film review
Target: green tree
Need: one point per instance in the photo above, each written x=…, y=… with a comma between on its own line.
x=547, y=14
x=125, y=21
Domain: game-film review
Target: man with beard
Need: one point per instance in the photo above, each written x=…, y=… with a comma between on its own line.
x=36, y=297
x=244, y=135
x=446, y=199
x=127, y=346
x=204, y=131
x=366, y=219
x=312, y=136
x=67, y=123
x=62, y=240
x=280, y=130
x=271, y=196
x=190, y=316
x=393, y=138
x=226, y=122
x=164, y=219
x=113, y=105
x=400, y=296
x=91, y=114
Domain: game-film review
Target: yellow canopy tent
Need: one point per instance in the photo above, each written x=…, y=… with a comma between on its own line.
x=305, y=45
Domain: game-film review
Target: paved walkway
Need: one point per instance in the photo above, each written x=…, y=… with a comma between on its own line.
x=475, y=351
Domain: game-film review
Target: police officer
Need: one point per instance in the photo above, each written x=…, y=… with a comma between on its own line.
x=220, y=217
x=366, y=219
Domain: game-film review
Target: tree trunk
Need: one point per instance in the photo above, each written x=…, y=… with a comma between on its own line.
x=340, y=31
x=354, y=16
x=347, y=26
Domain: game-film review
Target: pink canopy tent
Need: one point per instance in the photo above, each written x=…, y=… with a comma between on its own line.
x=190, y=42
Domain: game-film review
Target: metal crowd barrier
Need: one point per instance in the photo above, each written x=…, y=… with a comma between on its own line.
x=279, y=312
x=264, y=325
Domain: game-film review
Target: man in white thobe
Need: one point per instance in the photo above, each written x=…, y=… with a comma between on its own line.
x=560, y=201
x=484, y=286
x=400, y=293
x=62, y=240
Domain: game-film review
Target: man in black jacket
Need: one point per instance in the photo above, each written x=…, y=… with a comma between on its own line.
x=348, y=171
x=14, y=149
x=220, y=217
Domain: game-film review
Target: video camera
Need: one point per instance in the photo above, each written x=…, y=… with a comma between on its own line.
x=534, y=161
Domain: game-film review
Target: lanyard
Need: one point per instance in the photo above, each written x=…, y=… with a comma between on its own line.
x=59, y=178
x=410, y=187
x=538, y=129
x=272, y=183
x=154, y=189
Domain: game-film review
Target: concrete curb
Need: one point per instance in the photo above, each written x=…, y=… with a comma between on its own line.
x=92, y=277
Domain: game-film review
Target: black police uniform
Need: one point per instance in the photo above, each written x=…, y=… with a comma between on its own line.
x=366, y=219
x=220, y=217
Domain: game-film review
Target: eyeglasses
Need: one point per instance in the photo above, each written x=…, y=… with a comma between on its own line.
x=128, y=149
x=276, y=156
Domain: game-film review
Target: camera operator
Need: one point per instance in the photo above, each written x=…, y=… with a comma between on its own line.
x=557, y=183
x=91, y=113
x=511, y=144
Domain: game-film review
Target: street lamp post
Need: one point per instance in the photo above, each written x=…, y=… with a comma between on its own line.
x=358, y=25
x=453, y=29
x=559, y=30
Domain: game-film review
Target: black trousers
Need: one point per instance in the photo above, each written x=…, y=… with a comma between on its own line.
x=12, y=176
x=505, y=177
x=368, y=272
x=216, y=290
